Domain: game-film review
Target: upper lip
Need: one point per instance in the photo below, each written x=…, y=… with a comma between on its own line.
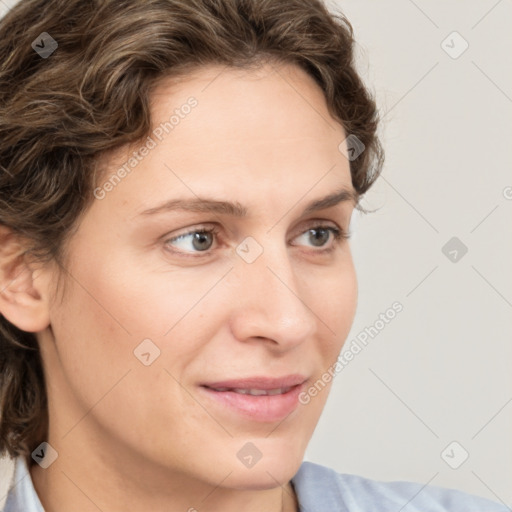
x=259, y=382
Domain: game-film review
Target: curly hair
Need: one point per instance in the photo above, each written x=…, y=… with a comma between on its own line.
x=59, y=113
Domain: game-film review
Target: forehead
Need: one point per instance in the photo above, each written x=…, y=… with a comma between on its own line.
x=256, y=102
x=238, y=133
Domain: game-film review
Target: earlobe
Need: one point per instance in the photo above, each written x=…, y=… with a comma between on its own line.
x=23, y=294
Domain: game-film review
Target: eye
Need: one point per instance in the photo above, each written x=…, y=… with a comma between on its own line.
x=199, y=240
x=320, y=236
x=202, y=240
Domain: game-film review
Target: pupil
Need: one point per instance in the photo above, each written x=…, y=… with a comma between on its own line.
x=319, y=235
x=201, y=241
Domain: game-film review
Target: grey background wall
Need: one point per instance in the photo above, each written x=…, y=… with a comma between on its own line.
x=429, y=397
x=440, y=370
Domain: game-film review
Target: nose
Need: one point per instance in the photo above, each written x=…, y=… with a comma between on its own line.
x=272, y=301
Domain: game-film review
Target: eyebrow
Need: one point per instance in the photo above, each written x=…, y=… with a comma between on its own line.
x=235, y=209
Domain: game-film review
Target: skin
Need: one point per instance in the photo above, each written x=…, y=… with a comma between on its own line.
x=136, y=437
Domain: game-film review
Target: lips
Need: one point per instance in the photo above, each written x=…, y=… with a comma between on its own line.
x=256, y=392
x=264, y=399
x=261, y=383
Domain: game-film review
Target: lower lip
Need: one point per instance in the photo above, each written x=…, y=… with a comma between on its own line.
x=264, y=408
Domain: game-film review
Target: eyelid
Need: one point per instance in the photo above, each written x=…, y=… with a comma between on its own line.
x=317, y=223
x=206, y=227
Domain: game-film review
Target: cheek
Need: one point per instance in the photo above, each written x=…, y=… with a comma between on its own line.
x=99, y=324
x=334, y=303
x=112, y=305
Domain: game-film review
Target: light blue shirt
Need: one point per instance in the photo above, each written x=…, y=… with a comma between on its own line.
x=318, y=489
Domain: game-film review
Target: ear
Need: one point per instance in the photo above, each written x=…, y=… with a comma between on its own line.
x=23, y=290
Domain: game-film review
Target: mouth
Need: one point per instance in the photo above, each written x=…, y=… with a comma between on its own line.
x=255, y=392
x=259, y=399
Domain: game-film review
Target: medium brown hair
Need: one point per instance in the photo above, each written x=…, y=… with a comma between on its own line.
x=59, y=114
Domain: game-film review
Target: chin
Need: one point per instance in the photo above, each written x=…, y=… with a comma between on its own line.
x=270, y=471
x=260, y=479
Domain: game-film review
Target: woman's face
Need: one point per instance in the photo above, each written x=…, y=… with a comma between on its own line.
x=154, y=311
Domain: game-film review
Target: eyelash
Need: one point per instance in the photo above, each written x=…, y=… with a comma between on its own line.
x=339, y=235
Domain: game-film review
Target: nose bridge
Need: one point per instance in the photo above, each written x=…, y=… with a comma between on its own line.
x=272, y=305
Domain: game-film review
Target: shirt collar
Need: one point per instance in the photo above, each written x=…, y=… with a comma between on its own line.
x=22, y=494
